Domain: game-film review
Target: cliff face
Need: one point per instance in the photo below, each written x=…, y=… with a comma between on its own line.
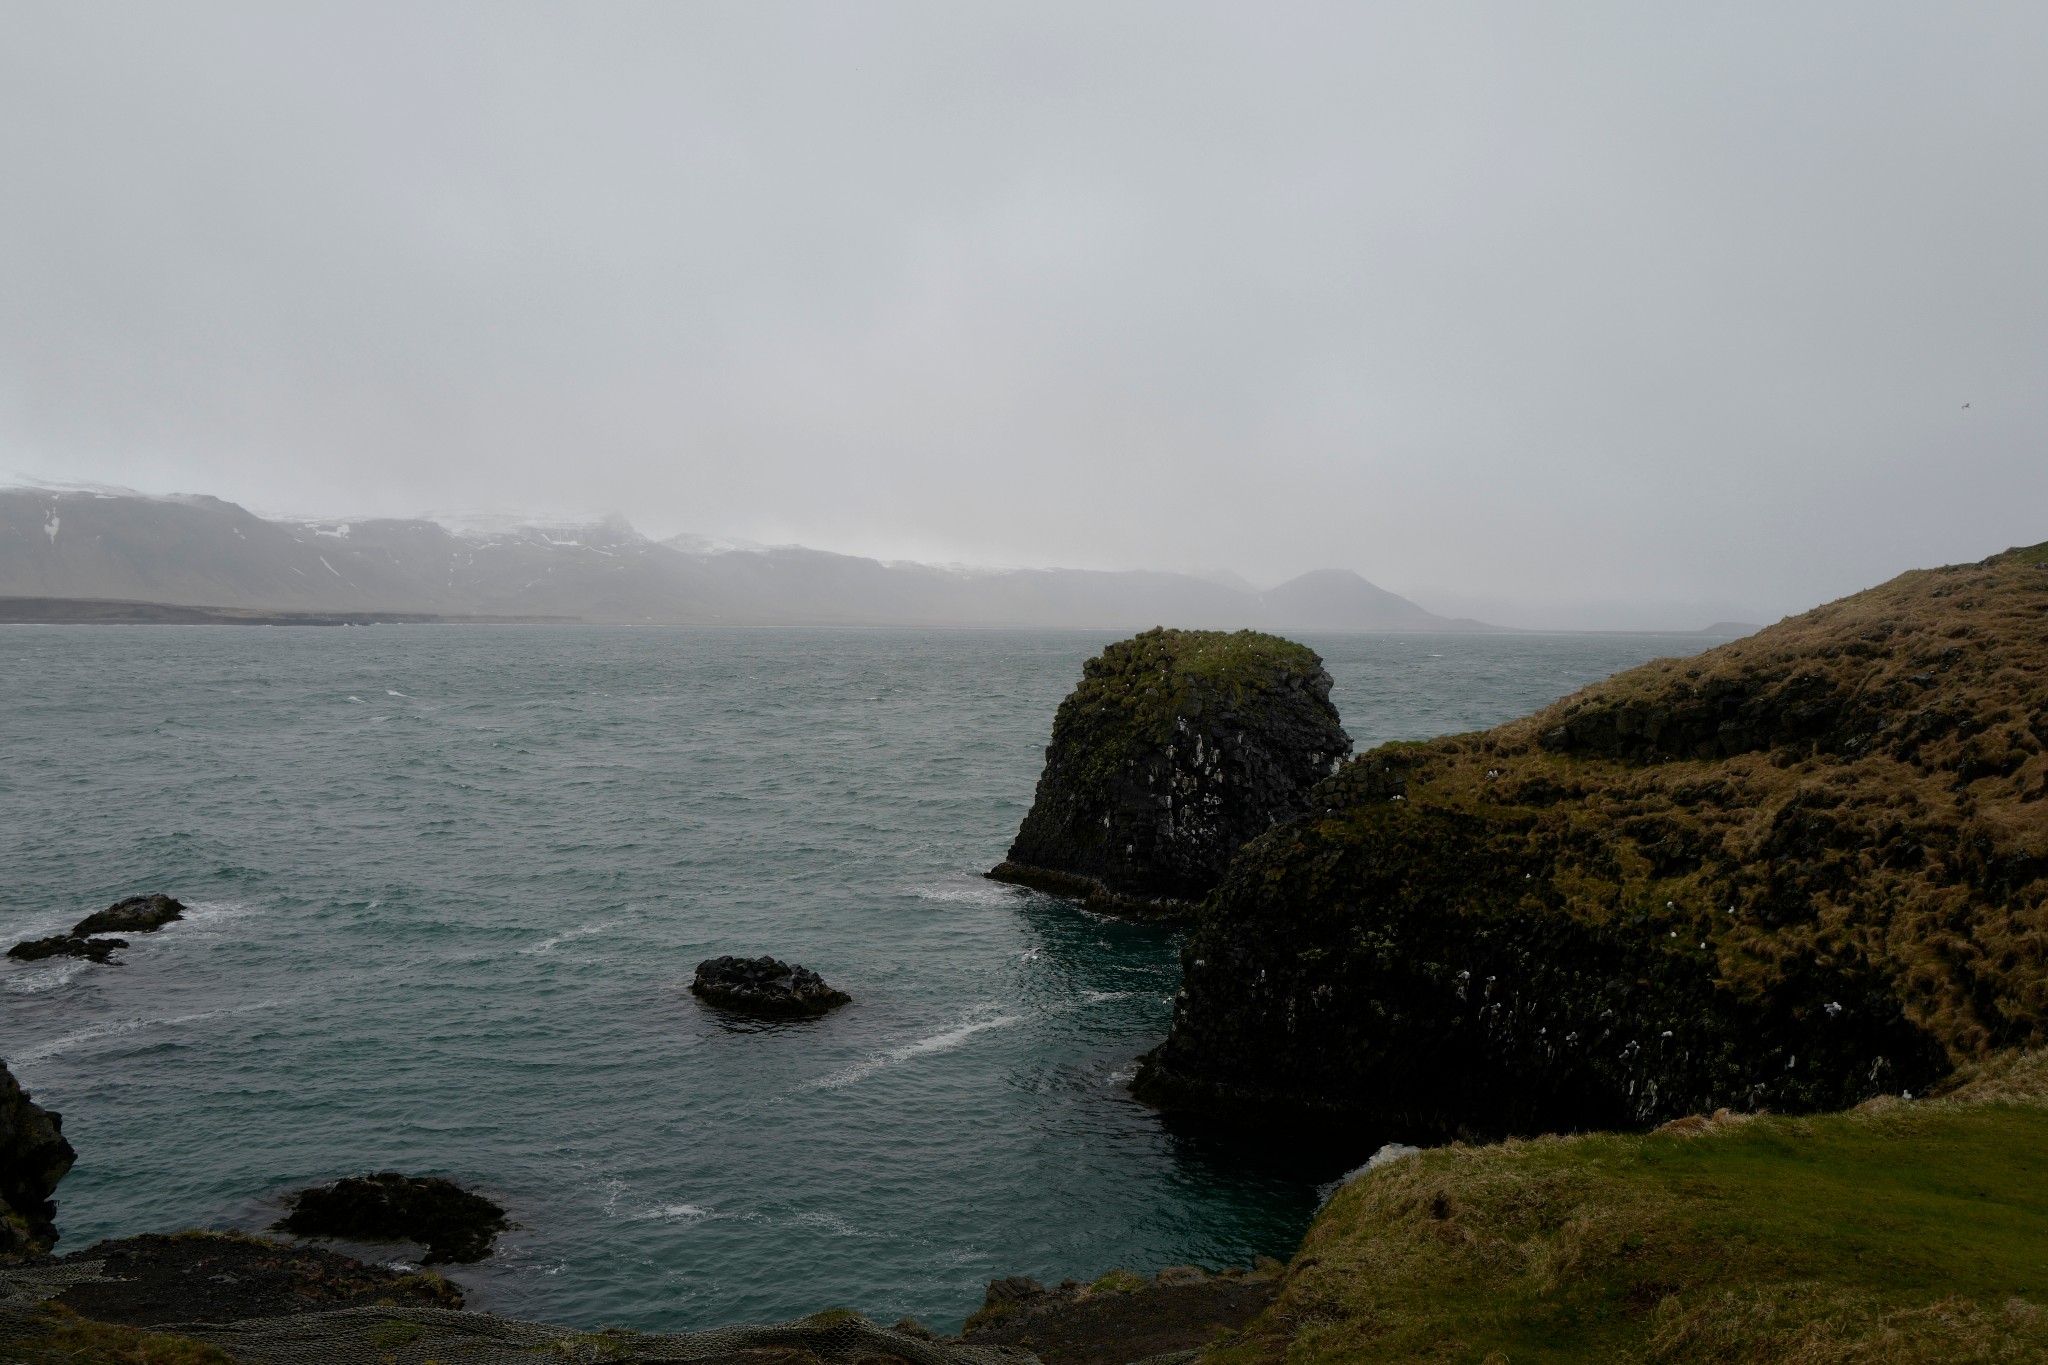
x=1795, y=871
x=1177, y=747
x=33, y=1157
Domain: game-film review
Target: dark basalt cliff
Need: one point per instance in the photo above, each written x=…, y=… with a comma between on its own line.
x=33, y=1157
x=1177, y=748
x=1790, y=873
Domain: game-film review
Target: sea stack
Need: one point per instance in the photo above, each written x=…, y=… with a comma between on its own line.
x=33, y=1157
x=1790, y=873
x=1178, y=747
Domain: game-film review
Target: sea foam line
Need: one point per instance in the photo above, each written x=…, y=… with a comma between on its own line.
x=922, y=1047
x=567, y=936
x=29, y=1056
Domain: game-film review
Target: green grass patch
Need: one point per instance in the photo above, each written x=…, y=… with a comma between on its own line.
x=54, y=1335
x=1900, y=1232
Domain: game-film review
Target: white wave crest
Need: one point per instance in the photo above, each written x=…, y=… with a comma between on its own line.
x=41, y=1052
x=921, y=1047
x=952, y=893
x=567, y=936
x=45, y=977
x=676, y=1213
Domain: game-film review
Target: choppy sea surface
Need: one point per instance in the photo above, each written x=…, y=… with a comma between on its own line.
x=447, y=886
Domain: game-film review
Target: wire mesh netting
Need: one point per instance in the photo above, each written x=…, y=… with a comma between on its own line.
x=388, y=1335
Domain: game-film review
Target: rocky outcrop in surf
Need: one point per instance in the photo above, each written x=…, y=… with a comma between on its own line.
x=33, y=1157
x=766, y=987
x=99, y=950
x=1790, y=873
x=452, y=1223
x=136, y=915
x=1177, y=748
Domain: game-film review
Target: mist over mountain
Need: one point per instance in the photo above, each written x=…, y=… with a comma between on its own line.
x=203, y=551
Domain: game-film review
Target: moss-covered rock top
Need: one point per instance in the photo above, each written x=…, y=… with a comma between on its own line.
x=1177, y=746
x=1795, y=870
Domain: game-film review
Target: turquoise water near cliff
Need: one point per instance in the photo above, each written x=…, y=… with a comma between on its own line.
x=448, y=885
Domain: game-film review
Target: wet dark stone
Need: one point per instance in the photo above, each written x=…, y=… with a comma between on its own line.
x=136, y=915
x=764, y=986
x=157, y=1279
x=453, y=1224
x=67, y=945
x=33, y=1157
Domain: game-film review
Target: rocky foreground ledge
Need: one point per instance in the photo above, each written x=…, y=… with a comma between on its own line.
x=1177, y=748
x=204, y=1298
x=1791, y=873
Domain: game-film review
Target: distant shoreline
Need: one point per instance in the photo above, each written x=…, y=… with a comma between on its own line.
x=100, y=611
x=104, y=611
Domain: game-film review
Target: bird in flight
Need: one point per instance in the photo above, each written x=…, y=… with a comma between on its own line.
x=1966, y=405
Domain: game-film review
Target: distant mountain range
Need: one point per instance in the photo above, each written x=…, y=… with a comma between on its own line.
x=203, y=552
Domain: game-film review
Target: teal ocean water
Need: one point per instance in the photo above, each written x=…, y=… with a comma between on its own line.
x=448, y=885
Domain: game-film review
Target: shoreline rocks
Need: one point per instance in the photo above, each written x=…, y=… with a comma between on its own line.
x=33, y=1157
x=453, y=1224
x=157, y=1279
x=1121, y=1317
x=1790, y=873
x=765, y=987
x=1177, y=748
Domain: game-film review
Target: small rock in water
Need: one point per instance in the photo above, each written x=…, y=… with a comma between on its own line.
x=453, y=1224
x=136, y=915
x=68, y=945
x=764, y=986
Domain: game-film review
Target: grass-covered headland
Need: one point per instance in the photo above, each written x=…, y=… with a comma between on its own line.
x=1901, y=1231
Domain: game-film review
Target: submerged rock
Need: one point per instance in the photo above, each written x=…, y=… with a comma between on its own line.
x=33, y=1157
x=1791, y=873
x=764, y=986
x=1177, y=748
x=136, y=915
x=68, y=945
x=453, y=1224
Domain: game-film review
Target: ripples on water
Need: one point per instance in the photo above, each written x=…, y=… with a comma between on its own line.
x=447, y=885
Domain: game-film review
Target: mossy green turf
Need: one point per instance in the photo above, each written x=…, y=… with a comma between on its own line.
x=52, y=1336
x=2026, y=554
x=1741, y=1242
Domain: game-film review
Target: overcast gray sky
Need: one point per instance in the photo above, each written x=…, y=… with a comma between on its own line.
x=1566, y=314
